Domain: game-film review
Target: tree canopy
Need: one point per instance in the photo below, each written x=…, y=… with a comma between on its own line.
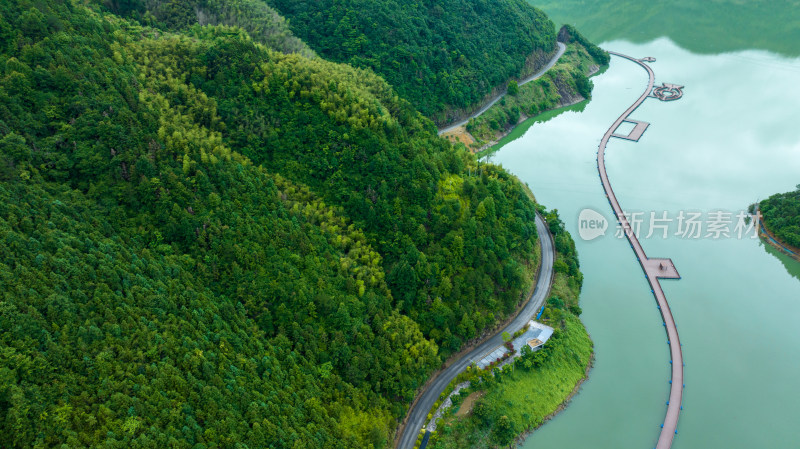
x=781, y=214
x=209, y=241
x=442, y=55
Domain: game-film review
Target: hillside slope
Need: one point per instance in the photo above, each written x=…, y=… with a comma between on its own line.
x=263, y=23
x=566, y=83
x=444, y=56
x=205, y=242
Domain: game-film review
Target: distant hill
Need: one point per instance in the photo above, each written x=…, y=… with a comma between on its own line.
x=444, y=56
x=263, y=23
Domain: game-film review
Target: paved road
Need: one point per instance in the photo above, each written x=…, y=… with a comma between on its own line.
x=419, y=412
x=561, y=49
x=653, y=269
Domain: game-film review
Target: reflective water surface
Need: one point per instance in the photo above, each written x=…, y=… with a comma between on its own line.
x=733, y=139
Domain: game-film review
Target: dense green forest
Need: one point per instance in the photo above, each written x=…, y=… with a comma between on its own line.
x=565, y=83
x=781, y=214
x=263, y=23
x=209, y=239
x=518, y=397
x=444, y=55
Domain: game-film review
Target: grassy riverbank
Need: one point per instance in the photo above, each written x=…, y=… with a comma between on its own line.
x=521, y=397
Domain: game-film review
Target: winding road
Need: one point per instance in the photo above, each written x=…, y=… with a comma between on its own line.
x=653, y=268
x=418, y=413
x=419, y=410
x=559, y=52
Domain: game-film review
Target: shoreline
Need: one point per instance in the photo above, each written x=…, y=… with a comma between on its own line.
x=570, y=394
x=524, y=118
x=525, y=434
x=563, y=405
x=475, y=342
x=424, y=399
x=570, y=101
x=767, y=236
x=528, y=74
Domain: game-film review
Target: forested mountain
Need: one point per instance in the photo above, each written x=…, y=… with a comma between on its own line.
x=263, y=23
x=442, y=55
x=206, y=242
x=782, y=216
x=565, y=83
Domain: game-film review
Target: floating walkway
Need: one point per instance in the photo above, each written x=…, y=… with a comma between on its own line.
x=654, y=268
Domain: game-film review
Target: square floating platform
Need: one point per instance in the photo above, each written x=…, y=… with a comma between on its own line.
x=636, y=133
x=661, y=268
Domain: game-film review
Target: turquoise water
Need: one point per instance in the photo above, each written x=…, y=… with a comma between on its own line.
x=731, y=140
x=702, y=26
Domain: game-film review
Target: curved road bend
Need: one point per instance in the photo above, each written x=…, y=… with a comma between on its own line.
x=419, y=412
x=653, y=269
x=561, y=49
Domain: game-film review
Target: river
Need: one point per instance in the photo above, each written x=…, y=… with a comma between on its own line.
x=731, y=140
